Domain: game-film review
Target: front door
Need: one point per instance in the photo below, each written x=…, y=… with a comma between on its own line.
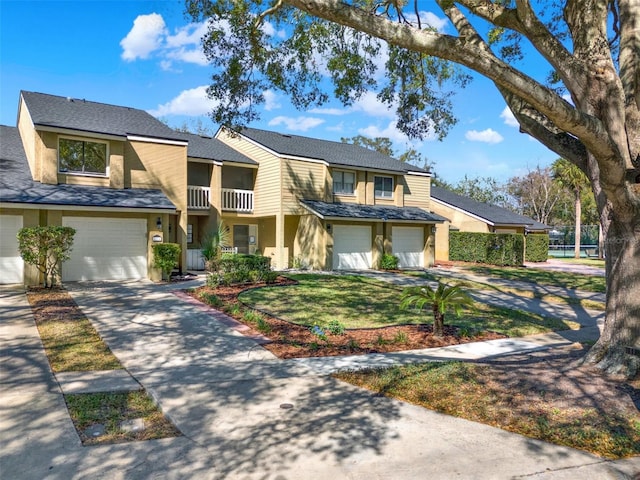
x=241, y=238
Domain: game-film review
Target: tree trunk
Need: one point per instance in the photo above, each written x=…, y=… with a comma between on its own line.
x=600, y=243
x=578, y=233
x=438, y=322
x=622, y=317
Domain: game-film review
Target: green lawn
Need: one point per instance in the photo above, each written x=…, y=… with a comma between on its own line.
x=589, y=283
x=592, y=262
x=359, y=302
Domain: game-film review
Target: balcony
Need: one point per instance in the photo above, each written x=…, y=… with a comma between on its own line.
x=198, y=197
x=235, y=200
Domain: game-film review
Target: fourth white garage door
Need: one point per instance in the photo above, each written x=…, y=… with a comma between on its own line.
x=351, y=247
x=408, y=246
x=106, y=249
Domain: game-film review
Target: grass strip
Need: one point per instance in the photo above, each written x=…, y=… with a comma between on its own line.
x=69, y=339
x=547, y=297
x=111, y=409
x=360, y=302
x=470, y=391
x=574, y=281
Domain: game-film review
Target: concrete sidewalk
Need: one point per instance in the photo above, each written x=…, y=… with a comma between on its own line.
x=226, y=394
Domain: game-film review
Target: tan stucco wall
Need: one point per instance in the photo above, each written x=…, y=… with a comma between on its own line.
x=460, y=220
x=310, y=243
x=28, y=136
x=442, y=242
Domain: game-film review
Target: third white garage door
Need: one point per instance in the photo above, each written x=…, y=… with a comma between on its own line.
x=106, y=249
x=408, y=246
x=11, y=264
x=351, y=247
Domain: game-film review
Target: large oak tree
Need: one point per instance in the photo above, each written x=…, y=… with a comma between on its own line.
x=591, y=48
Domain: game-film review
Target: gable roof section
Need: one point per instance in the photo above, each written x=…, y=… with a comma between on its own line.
x=17, y=186
x=208, y=148
x=53, y=111
x=336, y=154
x=382, y=213
x=491, y=213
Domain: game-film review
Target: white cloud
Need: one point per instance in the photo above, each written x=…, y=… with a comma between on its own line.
x=432, y=20
x=487, y=136
x=390, y=131
x=330, y=111
x=368, y=103
x=298, y=124
x=192, y=102
x=150, y=37
x=270, y=31
x=270, y=100
x=145, y=36
x=509, y=118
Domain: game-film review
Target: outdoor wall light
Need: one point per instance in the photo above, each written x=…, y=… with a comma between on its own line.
x=159, y=223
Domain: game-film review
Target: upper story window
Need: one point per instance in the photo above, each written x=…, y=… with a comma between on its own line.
x=83, y=157
x=344, y=182
x=383, y=187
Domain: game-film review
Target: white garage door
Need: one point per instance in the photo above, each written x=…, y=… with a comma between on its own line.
x=106, y=249
x=408, y=246
x=351, y=247
x=11, y=264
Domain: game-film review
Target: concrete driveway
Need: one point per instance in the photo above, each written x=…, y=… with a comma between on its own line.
x=226, y=394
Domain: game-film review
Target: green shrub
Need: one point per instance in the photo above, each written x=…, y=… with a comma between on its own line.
x=335, y=327
x=46, y=248
x=492, y=248
x=240, y=268
x=165, y=257
x=388, y=262
x=537, y=248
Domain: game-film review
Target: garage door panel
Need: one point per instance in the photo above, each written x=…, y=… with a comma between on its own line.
x=106, y=249
x=11, y=264
x=351, y=247
x=408, y=246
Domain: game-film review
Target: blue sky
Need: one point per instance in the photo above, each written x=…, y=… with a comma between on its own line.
x=146, y=54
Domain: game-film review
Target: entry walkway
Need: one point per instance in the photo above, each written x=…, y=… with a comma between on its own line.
x=245, y=414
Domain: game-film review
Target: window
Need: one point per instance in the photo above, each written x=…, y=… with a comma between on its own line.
x=383, y=187
x=189, y=233
x=78, y=156
x=344, y=182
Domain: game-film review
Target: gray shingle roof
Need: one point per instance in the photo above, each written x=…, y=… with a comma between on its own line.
x=371, y=212
x=84, y=116
x=492, y=213
x=17, y=185
x=213, y=149
x=334, y=153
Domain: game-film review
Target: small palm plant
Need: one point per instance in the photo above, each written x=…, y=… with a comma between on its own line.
x=213, y=243
x=440, y=300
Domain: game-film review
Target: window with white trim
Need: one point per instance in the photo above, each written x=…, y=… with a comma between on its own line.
x=82, y=157
x=344, y=182
x=383, y=187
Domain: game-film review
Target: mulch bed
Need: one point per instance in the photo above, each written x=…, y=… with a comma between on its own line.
x=289, y=340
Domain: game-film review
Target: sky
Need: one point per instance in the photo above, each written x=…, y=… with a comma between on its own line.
x=147, y=55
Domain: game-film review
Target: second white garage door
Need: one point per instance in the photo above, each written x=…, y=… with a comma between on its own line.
x=351, y=247
x=11, y=264
x=408, y=246
x=106, y=249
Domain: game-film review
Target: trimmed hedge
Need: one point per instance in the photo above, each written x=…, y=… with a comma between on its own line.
x=537, y=248
x=241, y=268
x=492, y=248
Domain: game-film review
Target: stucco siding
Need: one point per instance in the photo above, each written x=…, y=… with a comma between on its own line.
x=28, y=136
x=460, y=220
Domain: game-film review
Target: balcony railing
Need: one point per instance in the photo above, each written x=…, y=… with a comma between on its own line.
x=198, y=197
x=237, y=200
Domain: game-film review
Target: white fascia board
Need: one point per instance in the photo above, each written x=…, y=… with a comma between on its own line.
x=84, y=208
x=162, y=141
x=488, y=222
x=79, y=133
x=420, y=174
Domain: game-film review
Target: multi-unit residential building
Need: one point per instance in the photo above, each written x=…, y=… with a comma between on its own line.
x=125, y=180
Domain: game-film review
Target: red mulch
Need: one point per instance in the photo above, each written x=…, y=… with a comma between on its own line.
x=288, y=340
